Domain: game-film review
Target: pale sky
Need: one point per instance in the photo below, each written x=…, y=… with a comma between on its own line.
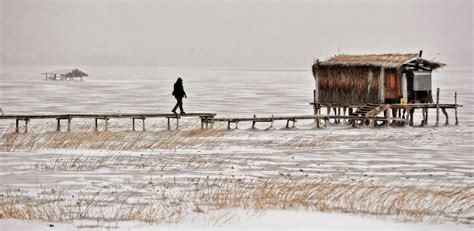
x=236, y=34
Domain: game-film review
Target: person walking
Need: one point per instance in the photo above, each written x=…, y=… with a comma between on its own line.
x=178, y=93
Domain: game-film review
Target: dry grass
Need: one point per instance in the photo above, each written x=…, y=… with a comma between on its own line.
x=111, y=140
x=205, y=194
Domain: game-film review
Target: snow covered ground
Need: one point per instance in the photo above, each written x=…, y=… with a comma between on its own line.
x=220, y=179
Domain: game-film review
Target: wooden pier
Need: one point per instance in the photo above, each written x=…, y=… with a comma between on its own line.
x=206, y=118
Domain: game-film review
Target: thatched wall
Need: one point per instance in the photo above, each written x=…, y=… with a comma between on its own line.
x=348, y=84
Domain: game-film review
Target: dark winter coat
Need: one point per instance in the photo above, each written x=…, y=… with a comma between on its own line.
x=178, y=91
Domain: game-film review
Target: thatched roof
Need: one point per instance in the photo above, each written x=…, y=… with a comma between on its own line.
x=378, y=60
x=68, y=73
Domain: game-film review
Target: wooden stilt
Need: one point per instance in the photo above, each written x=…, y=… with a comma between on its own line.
x=69, y=124
x=271, y=123
x=143, y=123
x=17, y=129
x=437, y=107
x=287, y=123
x=177, y=123
x=169, y=127
x=96, y=125
x=456, y=107
x=26, y=125
x=445, y=114
x=58, y=126
x=253, y=122
x=411, y=112
x=133, y=124
x=426, y=116
x=228, y=124
x=106, y=124
x=294, y=123
x=202, y=123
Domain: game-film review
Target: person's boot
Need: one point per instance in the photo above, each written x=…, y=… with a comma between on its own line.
x=182, y=112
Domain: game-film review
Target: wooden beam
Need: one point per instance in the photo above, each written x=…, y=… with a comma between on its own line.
x=381, y=85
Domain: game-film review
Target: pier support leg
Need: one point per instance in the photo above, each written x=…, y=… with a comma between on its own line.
x=411, y=112
x=133, y=124
x=386, y=114
x=169, y=127
x=425, y=116
x=96, y=125
x=253, y=122
x=58, y=126
x=228, y=124
x=106, y=124
x=143, y=123
x=68, y=124
x=437, y=107
x=445, y=114
x=26, y=125
x=271, y=123
x=456, y=107
x=287, y=123
x=202, y=123
x=177, y=123
x=17, y=129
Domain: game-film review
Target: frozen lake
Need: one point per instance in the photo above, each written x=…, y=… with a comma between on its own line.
x=422, y=158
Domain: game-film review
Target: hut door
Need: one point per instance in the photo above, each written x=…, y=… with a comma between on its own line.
x=391, y=85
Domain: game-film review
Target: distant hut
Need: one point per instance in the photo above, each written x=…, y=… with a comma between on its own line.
x=68, y=74
x=348, y=80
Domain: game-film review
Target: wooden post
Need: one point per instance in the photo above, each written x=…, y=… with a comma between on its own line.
x=212, y=123
x=381, y=85
x=26, y=125
x=287, y=123
x=410, y=114
x=271, y=124
x=228, y=124
x=386, y=115
x=96, y=125
x=177, y=122
x=426, y=116
x=106, y=124
x=169, y=127
x=445, y=114
x=133, y=124
x=294, y=123
x=456, y=107
x=143, y=123
x=437, y=107
x=253, y=121
x=202, y=123
x=58, y=126
x=69, y=124
x=17, y=130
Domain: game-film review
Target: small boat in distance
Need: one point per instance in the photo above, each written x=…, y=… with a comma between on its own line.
x=68, y=74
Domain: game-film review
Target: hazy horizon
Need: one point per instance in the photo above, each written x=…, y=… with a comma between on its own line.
x=231, y=34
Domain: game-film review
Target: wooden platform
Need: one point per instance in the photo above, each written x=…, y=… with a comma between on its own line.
x=104, y=116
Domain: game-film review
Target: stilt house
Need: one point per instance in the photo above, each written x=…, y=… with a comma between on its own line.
x=68, y=74
x=376, y=79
